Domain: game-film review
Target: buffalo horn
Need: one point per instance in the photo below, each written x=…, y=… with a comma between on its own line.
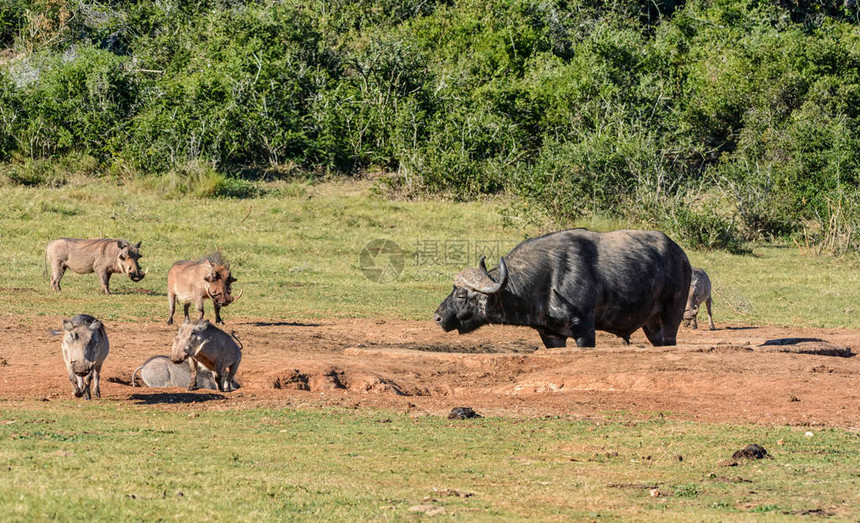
x=479, y=280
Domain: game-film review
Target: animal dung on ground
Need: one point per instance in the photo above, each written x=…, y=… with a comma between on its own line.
x=463, y=413
x=752, y=451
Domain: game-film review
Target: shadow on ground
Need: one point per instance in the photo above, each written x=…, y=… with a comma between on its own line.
x=174, y=397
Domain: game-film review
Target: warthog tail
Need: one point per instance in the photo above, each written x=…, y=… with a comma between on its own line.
x=133, y=384
x=235, y=337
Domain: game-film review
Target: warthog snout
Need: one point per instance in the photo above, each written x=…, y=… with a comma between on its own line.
x=81, y=368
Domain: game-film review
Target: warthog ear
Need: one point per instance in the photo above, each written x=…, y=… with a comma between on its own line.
x=230, y=279
x=96, y=325
x=68, y=325
x=202, y=326
x=137, y=245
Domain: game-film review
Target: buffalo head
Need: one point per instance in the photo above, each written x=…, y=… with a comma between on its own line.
x=465, y=309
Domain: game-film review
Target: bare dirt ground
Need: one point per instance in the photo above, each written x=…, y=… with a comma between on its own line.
x=736, y=373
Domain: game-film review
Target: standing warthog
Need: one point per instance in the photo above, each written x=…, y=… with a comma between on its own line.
x=85, y=347
x=159, y=371
x=201, y=342
x=700, y=291
x=103, y=257
x=208, y=277
x=568, y=284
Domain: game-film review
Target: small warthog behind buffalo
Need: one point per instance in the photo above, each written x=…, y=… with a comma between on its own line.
x=198, y=280
x=159, y=371
x=201, y=342
x=85, y=347
x=700, y=291
x=103, y=257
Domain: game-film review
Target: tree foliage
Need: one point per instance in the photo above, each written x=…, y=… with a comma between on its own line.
x=620, y=108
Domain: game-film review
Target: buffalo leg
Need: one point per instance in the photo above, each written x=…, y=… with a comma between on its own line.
x=218, y=319
x=583, y=332
x=192, y=365
x=552, y=341
x=171, y=300
x=710, y=318
x=58, y=268
x=585, y=339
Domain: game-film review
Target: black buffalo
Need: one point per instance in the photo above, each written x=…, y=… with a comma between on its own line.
x=570, y=283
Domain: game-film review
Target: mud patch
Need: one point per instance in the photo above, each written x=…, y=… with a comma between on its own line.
x=814, y=346
x=16, y=290
x=477, y=348
x=725, y=349
x=292, y=380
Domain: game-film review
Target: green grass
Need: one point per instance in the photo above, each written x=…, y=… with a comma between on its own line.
x=117, y=461
x=296, y=253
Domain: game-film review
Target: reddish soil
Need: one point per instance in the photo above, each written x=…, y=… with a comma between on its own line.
x=732, y=374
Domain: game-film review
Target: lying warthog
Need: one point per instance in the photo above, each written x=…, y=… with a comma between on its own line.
x=85, y=347
x=159, y=371
x=700, y=291
x=201, y=342
x=103, y=257
x=208, y=277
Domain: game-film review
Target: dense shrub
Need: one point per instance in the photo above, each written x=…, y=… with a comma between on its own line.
x=620, y=108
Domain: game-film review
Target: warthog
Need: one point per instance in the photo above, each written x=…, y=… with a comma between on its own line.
x=159, y=371
x=103, y=257
x=700, y=291
x=201, y=342
x=568, y=284
x=209, y=277
x=85, y=347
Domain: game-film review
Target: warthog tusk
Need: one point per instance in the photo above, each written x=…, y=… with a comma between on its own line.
x=146, y=271
x=200, y=347
x=206, y=286
x=238, y=295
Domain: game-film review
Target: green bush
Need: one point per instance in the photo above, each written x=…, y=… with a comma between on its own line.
x=615, y=108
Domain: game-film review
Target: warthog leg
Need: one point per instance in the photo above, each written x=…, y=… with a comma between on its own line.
x=171, y=300
x=192, y=364
x=105, y=279
x=710, y=318
x=58, y=268
x=218, y=319
x=96, y=374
